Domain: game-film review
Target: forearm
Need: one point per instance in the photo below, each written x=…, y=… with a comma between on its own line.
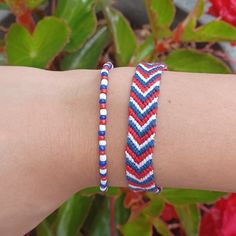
x=49, y=123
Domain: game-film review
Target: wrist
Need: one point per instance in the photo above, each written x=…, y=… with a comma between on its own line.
x=80, y=100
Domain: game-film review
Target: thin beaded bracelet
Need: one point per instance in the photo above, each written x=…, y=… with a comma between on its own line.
x=102, y=126
x=143, y=105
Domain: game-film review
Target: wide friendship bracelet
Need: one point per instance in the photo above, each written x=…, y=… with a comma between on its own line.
x=102, y=126
x=142, y=120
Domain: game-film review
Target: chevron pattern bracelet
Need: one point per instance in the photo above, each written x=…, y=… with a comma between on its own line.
x=142, y=120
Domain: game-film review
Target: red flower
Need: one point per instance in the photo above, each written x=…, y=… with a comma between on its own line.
x=168, y=213
x=221, y=218
x=225, y=9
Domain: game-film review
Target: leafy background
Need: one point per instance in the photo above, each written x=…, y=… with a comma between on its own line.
x=73, y=34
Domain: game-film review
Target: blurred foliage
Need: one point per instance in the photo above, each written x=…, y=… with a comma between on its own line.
x=30, y=48
x=73, y=34
x=81, y=18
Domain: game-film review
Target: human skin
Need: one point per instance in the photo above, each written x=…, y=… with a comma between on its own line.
x=48, y=138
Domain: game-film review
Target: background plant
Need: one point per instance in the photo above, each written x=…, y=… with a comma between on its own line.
x=70, y=34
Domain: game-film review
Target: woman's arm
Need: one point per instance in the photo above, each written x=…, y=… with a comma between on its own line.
x=48, y=138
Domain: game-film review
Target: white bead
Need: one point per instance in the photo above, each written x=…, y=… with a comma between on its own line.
x=103, y=157
x=103, y=181
x=103, y=189
x=102, y=142
x=103, y=96
x=104, y=82
x=103, y=112
x=103, y=171
x=102, y=128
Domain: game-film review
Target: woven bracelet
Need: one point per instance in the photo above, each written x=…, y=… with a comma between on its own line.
x=142, y=120
x=102, y=126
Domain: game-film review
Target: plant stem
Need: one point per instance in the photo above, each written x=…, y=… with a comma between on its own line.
x=53, y=6
x=152, y=17
x=112, y=215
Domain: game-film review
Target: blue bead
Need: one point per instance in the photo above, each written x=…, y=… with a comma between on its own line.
x=102, y=148
x=102, y=86
x=101, y=133
x=109, y=64
x=102, y=101
x=103, y=185
x=104, y=73
x=102, y=117
x=102, y=163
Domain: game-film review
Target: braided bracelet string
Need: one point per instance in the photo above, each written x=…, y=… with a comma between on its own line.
x=102, y=126
x=143, y=105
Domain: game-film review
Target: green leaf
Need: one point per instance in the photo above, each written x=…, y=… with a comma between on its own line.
x=211, y=32
x=102, y=3
x=123, y=36
x=189, y=216
x=138, y=226
x=89, y=191
x=161, y=14
x=199, y=9
x=52, y=218
x=31, y=4
x=39, y=48
x=196, y=12
x=80, y=15
x=191, y=20
x=189, y=196
x=4, y=6
x=161, y=227
x=72, y=215
x=121, y=213
x=155, y=207
x=195, y=61
x=98, y=220
x=3, y=60
x=145, y=50
x=112, y=191
x=43, y=229
x=87, y=57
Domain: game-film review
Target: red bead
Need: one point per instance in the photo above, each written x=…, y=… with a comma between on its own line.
x=103, y=91
x=104, y=178
x=102, y=105
x=104, y=77
x=103, y=122
x=103, y=167
x=102, y=153
x=101, y=137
